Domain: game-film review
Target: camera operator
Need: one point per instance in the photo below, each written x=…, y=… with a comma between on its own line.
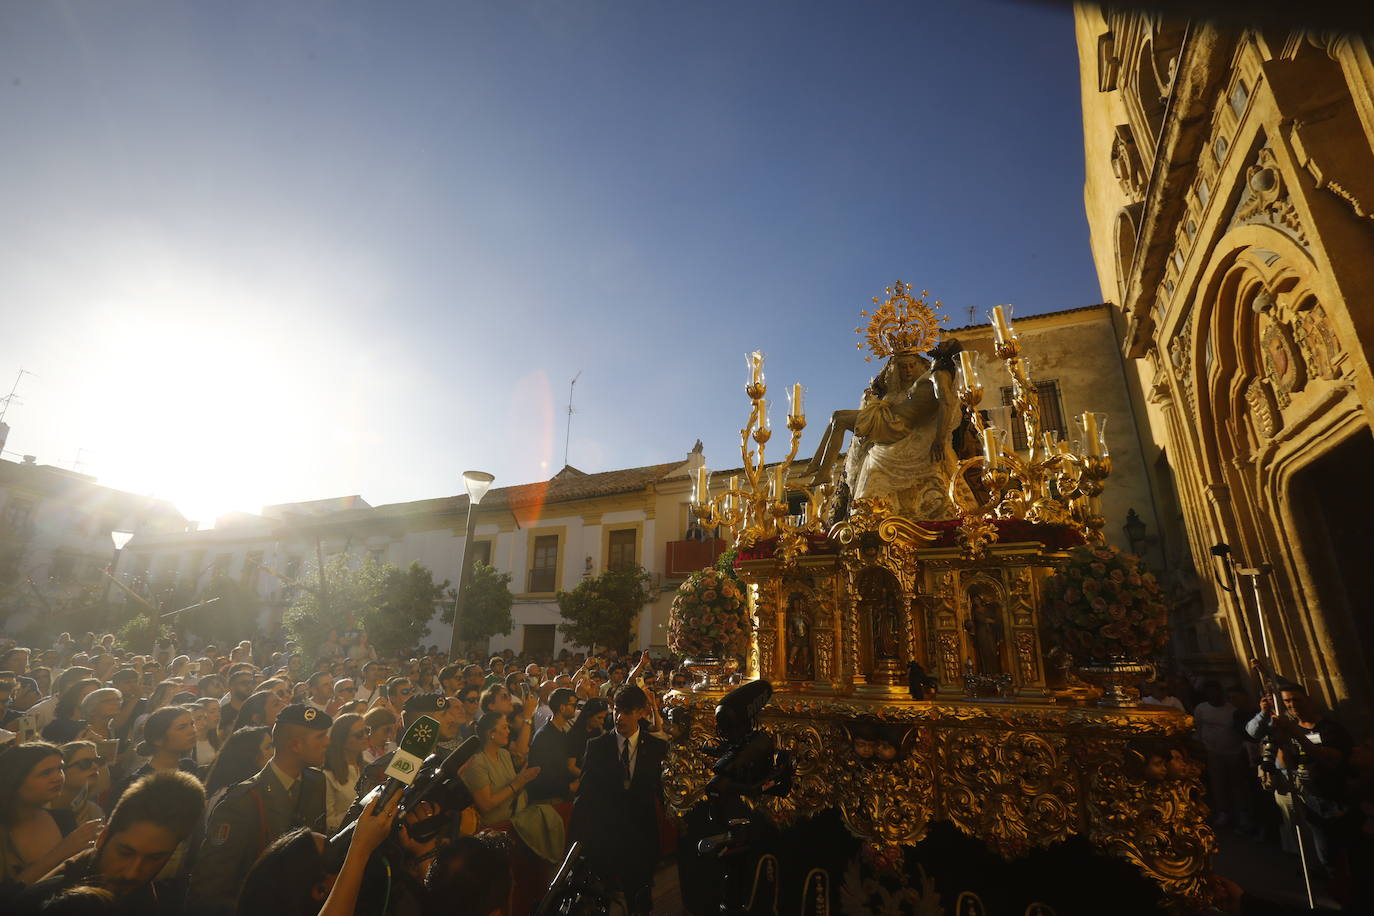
x=616, y=812
x=293, y=876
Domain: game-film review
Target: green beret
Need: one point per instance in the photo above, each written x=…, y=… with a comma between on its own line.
x=309, y=716
x=426, y=702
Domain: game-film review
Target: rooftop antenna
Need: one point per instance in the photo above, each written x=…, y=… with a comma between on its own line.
x=79, y=462
x=567, y=438
x=12, y=397
x=971, y=310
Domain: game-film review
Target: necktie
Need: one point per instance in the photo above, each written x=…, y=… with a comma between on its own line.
x=625, y=761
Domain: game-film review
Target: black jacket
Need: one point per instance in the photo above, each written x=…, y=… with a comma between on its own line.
x=619, y=823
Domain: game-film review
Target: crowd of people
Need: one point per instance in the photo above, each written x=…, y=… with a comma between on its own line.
x=221, y=780
x=1290, y=774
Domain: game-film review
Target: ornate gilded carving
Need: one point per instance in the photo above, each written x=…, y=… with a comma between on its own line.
x=949, y=657
x=1014, y=790
x=1025, y=656
x=1015, y=776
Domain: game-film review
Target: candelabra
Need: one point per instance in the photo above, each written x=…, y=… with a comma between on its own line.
x=1054, y=482
x=754, y=504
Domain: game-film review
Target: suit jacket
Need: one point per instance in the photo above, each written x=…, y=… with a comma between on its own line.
x=619, y=824
x=550, y=752
x=249, y=817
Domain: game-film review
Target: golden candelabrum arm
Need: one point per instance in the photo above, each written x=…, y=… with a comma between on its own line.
x=758, y=509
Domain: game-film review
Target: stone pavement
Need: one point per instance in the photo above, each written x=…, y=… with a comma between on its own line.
x=1264, y=870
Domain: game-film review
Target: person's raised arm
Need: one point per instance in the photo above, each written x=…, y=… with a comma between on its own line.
x=370, y=830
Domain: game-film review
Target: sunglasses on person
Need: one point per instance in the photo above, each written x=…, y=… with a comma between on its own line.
x=85, y=763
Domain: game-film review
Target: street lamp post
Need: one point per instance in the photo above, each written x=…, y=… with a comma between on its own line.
x=119, y=539
x=477, y=483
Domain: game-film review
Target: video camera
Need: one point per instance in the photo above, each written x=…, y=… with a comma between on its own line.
x=437, y=781
x=748, y=762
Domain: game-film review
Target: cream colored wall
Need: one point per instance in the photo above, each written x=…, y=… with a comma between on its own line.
x=1102, y=111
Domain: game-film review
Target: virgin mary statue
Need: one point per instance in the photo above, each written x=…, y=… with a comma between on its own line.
x=903, y=435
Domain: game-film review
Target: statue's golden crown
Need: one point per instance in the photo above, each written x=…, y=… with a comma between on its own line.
x=902, y=323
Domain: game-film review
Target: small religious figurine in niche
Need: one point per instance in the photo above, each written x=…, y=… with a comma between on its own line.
x=800, y=662
x=984, y=625
x=882, y=599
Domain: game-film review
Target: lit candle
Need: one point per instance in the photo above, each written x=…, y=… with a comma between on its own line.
x=992, y=446
x=756, y=367
x=1090, y=434
x=796, y=400
x=1000, y=326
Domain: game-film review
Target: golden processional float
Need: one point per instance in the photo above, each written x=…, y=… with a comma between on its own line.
x=896, y=595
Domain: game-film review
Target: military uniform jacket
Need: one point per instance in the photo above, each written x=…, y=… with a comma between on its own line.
x=247, y=819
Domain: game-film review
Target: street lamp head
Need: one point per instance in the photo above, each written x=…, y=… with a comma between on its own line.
x=477, y=483
x=120, y=538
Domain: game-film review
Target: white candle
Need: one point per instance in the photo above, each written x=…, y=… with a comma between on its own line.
x=1000, y=326
x=992, y=446
x=968, y=365
x=796, y=399
x=703, y=484
x=779, y=484
x=756, y=367
x=763, y=413
x=1090, y=434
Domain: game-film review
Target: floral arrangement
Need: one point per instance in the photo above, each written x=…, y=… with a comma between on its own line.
x=1103, y=605
x=710, y=614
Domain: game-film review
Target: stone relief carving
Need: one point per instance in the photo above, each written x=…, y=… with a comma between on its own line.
x=1261, y=410
x=1126, y=164
x=1265, y=201
x=1321, y=348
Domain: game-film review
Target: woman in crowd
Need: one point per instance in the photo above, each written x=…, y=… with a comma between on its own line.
x=241, y=757
x=262, y=708
x=498, y=791
x=159, y=698
x=67, y=724
x=99, y=709
x=590, y=722
x=381, y=730
x=31, y=843
x=86, y=777
x=180, y=669
x=342, y=766
x=205, y=714
x=169, y=737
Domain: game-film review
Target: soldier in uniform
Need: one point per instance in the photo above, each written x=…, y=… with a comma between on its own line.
x=288, y=793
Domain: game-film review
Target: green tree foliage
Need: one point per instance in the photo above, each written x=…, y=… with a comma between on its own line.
x=392, y=604
x=601, y=609
x=396, y=615
x=233, y=617
x=486, y=605
x=141, y=634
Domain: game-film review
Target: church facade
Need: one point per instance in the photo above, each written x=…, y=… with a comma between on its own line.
x=1230, y=196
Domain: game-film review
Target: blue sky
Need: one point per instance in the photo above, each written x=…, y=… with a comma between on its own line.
x=263, y=251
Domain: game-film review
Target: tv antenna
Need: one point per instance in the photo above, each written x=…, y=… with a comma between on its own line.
x=971, y=310
x=12, y=397
x=567, y=438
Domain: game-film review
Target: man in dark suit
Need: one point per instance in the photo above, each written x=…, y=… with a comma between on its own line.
x=616, y=813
